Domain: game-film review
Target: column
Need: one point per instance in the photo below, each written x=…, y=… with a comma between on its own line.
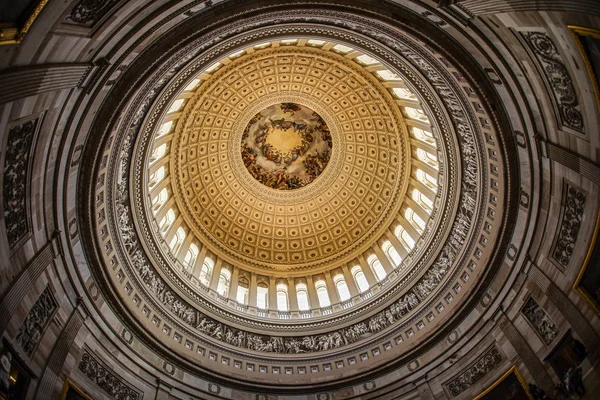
x=292, y=296
x=580, y=325
x=312, y=293
x=383, y=259
x=334, y=297
x=216, y=273
x=397, y=245
x=252, y=291
x=199, y=261
x=366, y=269
x=532, y=363
x=49, y=385
x=272, y=294
x=17, y=291
x=233, y=284
x=350, y=281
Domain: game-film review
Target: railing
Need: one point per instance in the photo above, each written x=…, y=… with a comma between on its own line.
x=285, y=315
x=346, y=304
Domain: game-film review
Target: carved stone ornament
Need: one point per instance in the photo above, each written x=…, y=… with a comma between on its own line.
x=569, y=227
x=474, y=372
x=540, y=320
x=16, y=161
x=102, y=376
x=36, y=322
x=89, y=12
x=558, y=77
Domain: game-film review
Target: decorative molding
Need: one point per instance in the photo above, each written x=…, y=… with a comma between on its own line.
x=33, y=327
x=558, y=78
x=17, y=83
x=87, y=13
x=490, y=359
x=14, y=185
x=573, y=207
x=539, y=320
x=102, y=376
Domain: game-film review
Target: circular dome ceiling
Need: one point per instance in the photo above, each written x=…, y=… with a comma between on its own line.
x=353, y=199
x=346, y=171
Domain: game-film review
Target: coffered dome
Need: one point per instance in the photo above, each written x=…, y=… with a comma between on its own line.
x=308, y=200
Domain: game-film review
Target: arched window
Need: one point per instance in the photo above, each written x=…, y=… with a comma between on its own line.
x=427, y=158
x=302, y=295
x=165, y=128
x=262, y=296
x=342, y=288
x=413, y=218
x=177, y=240
x=190, y=257
x=242, y=291
x=192, y=85
x=404, y=93
x=366, y=60
x=416, y=114
x=426, y=179
x=423, y=136
x=206, y=271
x=322, y=293
x=282, y=297
x=376, y=267
x=388, y=75
x=422, y=200
x=391, y=253
x=167, y=220
x=176, y=106
x=159, y=200
x=360, y=278
x=158, y=153
x=156, y=177
x=404, y=237
x=224, y=279
x=342, y=49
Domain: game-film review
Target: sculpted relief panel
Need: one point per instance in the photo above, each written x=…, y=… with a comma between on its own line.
x=36, y=322
x=573, y=206
x=16, y=162
x=540, y=320
x=558, y=78
x=490, y=359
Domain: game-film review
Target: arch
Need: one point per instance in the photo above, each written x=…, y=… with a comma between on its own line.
x=158, y=153
x=242, y=291
x=224, y=281
x=391, y=253
x=177, y=240
x=159, y=200
x=413, y=218
x=282, y=297
x=156, y=177
x=376, y=266
x=206, y=271
x=407, y=241
x=262, y=296
x=191, y=257
x=360, y=278
x=302, y=297
x=342, y=287
x=167, y=221
x=322, y=293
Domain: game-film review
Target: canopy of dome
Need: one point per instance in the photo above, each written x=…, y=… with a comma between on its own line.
x=333, y=199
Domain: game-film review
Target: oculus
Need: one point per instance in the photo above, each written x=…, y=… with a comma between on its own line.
x=286, y=146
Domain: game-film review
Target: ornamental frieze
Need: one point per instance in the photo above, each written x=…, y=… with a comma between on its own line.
x=105, y=377
x=539, y=320
x=490, y=359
